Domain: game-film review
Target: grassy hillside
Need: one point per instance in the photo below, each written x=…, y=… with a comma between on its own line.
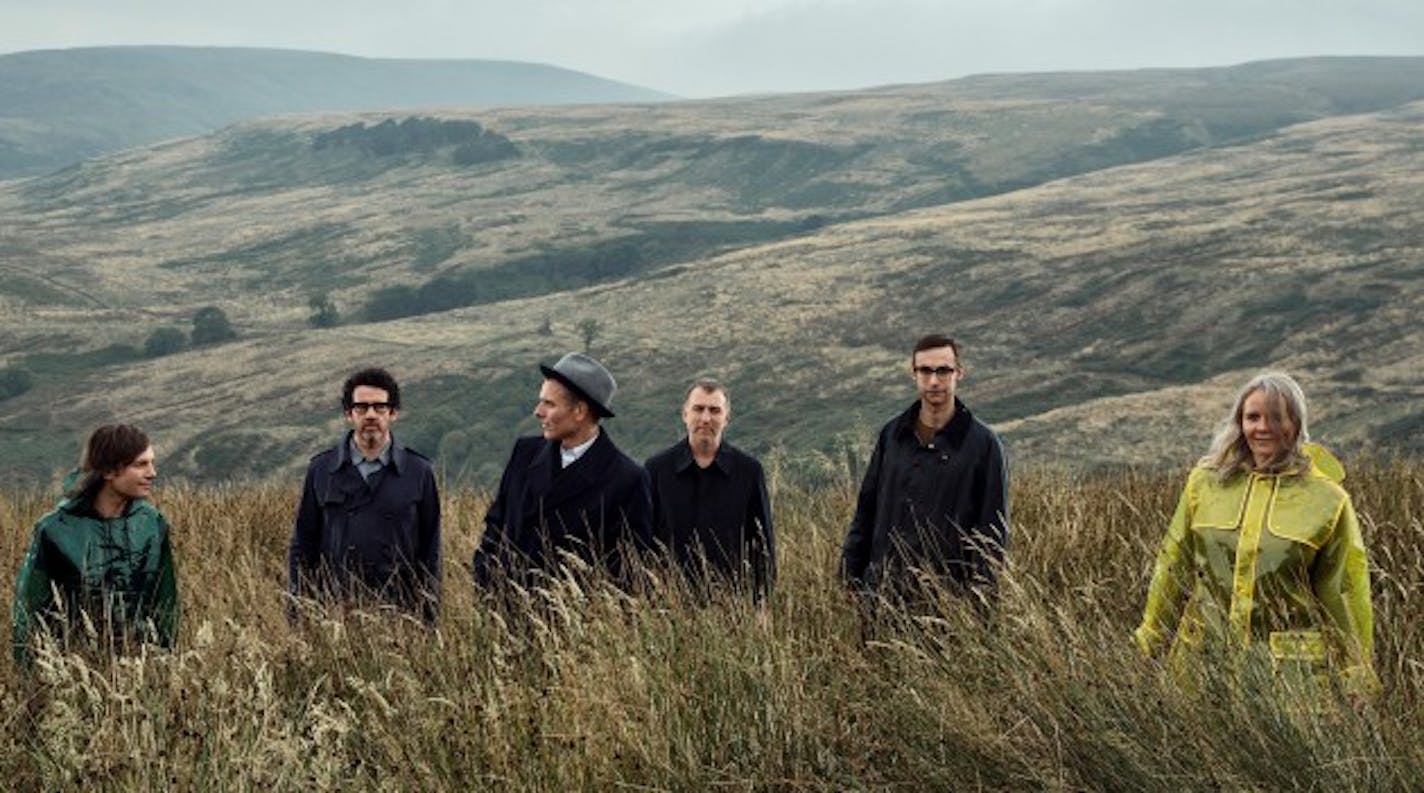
x=606, y=691
x=1107, y=315
x=60, y=106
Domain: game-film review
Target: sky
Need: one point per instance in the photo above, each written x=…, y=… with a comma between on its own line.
x=701, y=48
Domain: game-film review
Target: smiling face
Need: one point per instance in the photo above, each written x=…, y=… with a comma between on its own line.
x=133, y=481
x=706, y=415
x=1267, y=428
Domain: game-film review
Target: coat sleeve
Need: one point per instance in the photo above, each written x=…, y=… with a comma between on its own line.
x=491, y=551
x=763, y=535
x=34, y=595
x=639, y=511
x=304, y=554
x=428, y=548
x=1341, y=581
x=165, y=600
x=992, y=526
x=1171, y=578
x=860, y=539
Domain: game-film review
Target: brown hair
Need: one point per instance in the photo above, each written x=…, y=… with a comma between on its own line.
x=933, y=342
x=110, y=448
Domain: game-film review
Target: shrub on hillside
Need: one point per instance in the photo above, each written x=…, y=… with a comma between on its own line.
x=14, y=381
x=164, y=341
x=211, y=326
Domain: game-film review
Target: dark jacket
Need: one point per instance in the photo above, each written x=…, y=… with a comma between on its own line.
x=597, y=508
x=940, y=508
x=715, y=519
x=355, y=540
x=116, y=572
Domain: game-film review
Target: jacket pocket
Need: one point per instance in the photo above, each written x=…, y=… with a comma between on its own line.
x=1299, y=646
x=1300, y=663
x=1305, y=532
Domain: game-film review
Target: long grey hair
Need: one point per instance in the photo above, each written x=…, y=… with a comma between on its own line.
x=1230, y=454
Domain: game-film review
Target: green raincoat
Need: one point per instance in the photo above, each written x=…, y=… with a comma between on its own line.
x=1266, y=561
x=114, y=575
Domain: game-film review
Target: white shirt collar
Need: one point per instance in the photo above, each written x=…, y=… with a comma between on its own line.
x=570, y=456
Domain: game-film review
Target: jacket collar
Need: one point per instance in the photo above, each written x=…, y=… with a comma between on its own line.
x=684, y=460
x=343, y=453
x=952, y=433
x=586, y=473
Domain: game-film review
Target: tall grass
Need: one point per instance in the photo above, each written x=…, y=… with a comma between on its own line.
x=600, y=690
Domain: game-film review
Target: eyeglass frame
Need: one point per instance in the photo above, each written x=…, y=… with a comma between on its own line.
x=935, y=371
x=380, y=408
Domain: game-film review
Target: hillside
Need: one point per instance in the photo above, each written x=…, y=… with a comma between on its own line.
x=1107, y=315
x=60, y=106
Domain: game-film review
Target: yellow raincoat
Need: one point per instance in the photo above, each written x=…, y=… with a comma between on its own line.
x=1266, y=561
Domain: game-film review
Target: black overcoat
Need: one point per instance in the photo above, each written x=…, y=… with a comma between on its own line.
x=599, y=509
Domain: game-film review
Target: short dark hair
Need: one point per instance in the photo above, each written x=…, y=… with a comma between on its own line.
x=933, y=342
x=373, y=377
x=710, y=385
x=110, y=448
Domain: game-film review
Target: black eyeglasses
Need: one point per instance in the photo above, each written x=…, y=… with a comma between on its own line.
x=941, y=371
x=362, y=408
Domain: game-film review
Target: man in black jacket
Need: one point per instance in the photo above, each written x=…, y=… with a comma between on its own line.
x=711, y=513
x=933, y=511
x=569, y=490
x=368, y=526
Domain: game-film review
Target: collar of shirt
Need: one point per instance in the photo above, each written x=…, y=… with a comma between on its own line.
x=952, y=433
x=568, y=457
x=687, y=462
x=368, y=467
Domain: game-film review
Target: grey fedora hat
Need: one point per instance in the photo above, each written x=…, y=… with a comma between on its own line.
x=588, y=380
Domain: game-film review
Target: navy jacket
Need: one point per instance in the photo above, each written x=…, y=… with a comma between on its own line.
x=940, y=508
x=381, y=540
x=597, y=508
x=715, y=519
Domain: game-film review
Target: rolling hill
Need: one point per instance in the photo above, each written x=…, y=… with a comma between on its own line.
x=60, y=106
x=1117, y=251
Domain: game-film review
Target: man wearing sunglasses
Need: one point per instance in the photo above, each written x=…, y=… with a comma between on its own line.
x=932, y=517
x=368, y=527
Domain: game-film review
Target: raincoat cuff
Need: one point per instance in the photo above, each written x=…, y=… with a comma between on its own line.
x=1147, y=640
x=1360, y=680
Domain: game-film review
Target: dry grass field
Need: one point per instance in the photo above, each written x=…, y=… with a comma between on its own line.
x=601, y=691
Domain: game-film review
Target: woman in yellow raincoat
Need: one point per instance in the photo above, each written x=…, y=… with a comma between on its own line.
x=1264, y=551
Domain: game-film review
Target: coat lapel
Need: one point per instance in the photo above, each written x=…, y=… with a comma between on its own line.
x=579, y=478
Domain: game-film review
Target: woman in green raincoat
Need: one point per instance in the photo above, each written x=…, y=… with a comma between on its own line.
x=1264, y=552
x=99, y=571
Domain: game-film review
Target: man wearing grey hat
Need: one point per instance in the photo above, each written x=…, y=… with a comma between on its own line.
x=568, y=491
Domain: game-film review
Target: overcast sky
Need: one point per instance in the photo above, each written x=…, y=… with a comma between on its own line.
x=715, y=47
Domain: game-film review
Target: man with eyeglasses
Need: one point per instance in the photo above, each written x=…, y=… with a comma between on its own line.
x=933, y=512
x=368, y=527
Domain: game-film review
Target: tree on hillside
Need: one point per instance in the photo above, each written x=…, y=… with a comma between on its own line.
x=14, y=381
x=324, y=313
x=589, y=330
x=164, y=341
x=210, y=326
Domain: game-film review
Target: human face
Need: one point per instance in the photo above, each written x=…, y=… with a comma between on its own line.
x=706, y=414
x=936, y=373
x=135, y=480
x=1264, y=435
x=370, y=421
x=562, y=416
